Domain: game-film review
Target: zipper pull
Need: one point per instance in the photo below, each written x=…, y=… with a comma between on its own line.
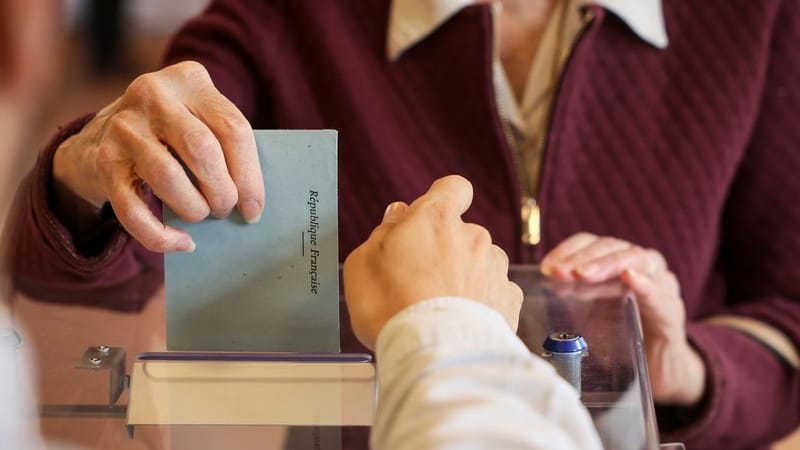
x=531, y=226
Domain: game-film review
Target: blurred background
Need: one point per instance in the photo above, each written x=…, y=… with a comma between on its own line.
x=76, y=56
x=60, y=59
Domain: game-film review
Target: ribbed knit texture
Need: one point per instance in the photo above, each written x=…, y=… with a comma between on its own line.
x=692, y=150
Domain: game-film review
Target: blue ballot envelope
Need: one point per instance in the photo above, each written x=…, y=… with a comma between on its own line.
x=271, y=286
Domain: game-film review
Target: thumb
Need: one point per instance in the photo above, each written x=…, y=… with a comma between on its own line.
x=394, y=213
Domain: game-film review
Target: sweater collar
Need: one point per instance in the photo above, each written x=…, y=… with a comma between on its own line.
x=411, y=21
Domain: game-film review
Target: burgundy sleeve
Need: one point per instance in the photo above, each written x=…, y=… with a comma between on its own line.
x=47, y=260
x=754, y=397
x=235, y=40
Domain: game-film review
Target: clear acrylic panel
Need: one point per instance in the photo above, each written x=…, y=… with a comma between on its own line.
x=77, y=405
x=614, y=383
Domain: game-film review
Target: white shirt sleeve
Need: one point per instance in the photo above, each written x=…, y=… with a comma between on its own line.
x=18, y=425
x=453, y=375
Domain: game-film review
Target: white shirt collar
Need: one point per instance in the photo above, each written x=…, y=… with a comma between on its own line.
x=411, y=21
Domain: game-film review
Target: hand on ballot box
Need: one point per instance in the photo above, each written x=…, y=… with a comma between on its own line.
x=677, y=372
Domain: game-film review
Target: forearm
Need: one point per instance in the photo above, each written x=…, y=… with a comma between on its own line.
x=452, y=373
x=751, y=394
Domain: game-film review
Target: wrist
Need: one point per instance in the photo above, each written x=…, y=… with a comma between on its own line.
x=68, y=177
x=441, y=318
x=694, y=377
x=72, y=203
x=687, y=377
x=448, y=324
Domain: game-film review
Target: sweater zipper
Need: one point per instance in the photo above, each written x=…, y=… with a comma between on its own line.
x=530, y=210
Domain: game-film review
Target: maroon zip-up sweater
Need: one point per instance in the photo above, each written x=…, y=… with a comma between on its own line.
x=693, y=150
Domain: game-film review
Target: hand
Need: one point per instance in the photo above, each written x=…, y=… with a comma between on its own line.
x=424, y=251
x=164, y=121
x=677, y=372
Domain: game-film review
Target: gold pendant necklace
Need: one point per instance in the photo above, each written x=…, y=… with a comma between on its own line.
x=531, y=225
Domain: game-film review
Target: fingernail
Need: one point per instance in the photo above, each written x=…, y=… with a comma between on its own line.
x=393, y=212
x=546, y=269
x=190, y=247
x=223, y=215
x=255, y=219
x=251, y=211
x=587, y=269
x=391, y=209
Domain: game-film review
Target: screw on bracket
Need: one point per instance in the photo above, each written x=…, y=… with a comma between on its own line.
x=104, y=357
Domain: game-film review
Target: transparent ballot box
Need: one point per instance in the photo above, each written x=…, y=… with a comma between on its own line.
x=104, y=380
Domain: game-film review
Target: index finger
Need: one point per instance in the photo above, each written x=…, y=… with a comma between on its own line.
x=567, y=247
x=238, y=143
x=449, y=197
